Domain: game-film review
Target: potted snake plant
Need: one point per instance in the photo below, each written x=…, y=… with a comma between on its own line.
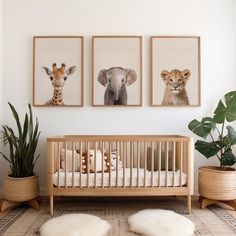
x=217, y=183
x=21, y=184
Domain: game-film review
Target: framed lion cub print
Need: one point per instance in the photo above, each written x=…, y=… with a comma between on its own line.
x=175, y=71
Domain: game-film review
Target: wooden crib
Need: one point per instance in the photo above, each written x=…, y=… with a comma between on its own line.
x=120, y=165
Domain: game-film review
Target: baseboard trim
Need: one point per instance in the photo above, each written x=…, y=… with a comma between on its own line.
x=43, y=192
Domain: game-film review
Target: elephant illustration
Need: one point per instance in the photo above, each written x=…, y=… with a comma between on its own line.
x=115, y=80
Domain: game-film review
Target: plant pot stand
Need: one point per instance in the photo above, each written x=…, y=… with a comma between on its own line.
x=34, y=203
x=217, y=185
x=18, y=191
x=206, y=202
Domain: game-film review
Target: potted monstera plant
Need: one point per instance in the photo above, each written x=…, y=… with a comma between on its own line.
x=21, y=184
x=217, y=183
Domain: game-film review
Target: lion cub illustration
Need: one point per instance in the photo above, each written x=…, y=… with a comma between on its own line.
x=175, y=92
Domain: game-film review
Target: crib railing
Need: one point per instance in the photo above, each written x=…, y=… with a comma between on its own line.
x=120, y=165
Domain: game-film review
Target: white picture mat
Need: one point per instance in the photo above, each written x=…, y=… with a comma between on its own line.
x=58, y=50
x=175, y=53
x=117, y=52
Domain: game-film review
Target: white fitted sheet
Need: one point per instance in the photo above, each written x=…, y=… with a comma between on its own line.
x=120, y=178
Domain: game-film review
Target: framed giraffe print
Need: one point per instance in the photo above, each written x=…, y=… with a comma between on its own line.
x=58, y=71
x=117, y=71
x=175, y=71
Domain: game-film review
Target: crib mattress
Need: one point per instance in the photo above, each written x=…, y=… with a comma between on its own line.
x=69, y=179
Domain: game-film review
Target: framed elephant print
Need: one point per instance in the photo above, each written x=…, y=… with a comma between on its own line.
x=117, y=71
x=58, y=71
x=175, y=71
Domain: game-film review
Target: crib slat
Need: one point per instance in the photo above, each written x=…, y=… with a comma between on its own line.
x=50, y=167
x=81, y=163
x=124, y=163
x=126, y=155
x=103, y=159
x=166, y=161
x=88, y=163
x=159, y=163
x=52, y=163
x=117, y=158
x=120, y=151
x=65, y=163
x=95, y=164
x=145, y=163
x=138, y=164
x=73, y=164
x=152, y=163
x=173, y=164
x=110, y=160
x=181, y=163
x=58, y=163
x=131, y=163
x=121, y=155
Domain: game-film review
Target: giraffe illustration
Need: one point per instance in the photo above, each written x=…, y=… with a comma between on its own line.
x=58, y=76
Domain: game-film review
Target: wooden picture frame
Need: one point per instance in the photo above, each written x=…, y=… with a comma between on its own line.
x=58, y=71
x=175, y=71
x=117, y=71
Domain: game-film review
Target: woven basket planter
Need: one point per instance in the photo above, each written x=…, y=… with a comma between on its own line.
x=217, y=184
x=21, y=189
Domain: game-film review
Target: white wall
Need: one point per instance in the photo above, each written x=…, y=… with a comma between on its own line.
x=213, y=20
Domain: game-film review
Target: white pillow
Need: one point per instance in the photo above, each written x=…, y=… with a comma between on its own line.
x=113, y=161
x=69, y=160
x=99, y=160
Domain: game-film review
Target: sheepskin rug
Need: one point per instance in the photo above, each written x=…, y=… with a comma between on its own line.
x=154, y=222
x=75, y=225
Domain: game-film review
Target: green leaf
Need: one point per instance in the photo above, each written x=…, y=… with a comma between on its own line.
x=228, y=158
x=231, y=134
x=202, y=128
x=22, y=146
x=226, y=141
x=208, y=149
x=220, y=113
x=230, y=98
x=25, y=129
x=31, y=125
x=15, y=114
x=226, y=108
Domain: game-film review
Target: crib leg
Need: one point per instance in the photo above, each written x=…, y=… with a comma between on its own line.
x=189, y=203
x=51, y=205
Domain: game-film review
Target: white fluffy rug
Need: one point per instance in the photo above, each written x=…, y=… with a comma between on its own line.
x=160, y=223
x=75, y=225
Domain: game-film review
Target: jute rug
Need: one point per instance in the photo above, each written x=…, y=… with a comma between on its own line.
x=26, y=221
